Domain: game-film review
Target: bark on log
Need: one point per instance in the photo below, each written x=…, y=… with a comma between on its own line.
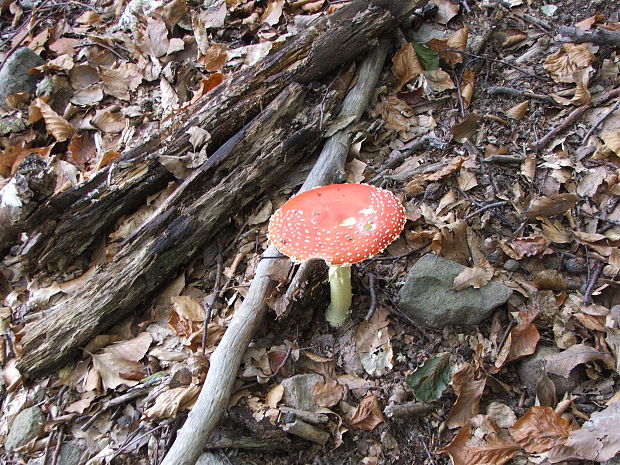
x=225, y=360
x=598, y=36
x=71, y=223
x=287, y=130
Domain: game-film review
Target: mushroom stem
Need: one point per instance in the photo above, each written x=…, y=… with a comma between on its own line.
x=340, y=292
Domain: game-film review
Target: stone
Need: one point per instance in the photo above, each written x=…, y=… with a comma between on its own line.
x=25, y=427
x=428, y=298
x=14, y=75
x=70, y=454
x=531, y=367
x=511, y=265
x=298, y=392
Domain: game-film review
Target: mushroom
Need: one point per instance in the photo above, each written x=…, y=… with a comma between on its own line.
x=341, y=224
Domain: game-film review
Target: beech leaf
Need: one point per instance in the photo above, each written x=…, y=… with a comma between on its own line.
x=56, y=125
x=431, y=378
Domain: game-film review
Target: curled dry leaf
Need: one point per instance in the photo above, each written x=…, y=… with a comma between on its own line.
x=597, y=440
x=274, y=395
x=272, y=13
x=368, y=414
x=468, y=387
x=518, y=111
x=467, y=86
x=405, y=65
x=564, y=362
x=612, y=140
x=56, y=125
x=447, y=10
x=475, y=277
x=457, y=41
x=527, y=246
x=115, y=371
x=170, y=402
x=132, y=350
x=556, y=204
x=327, y=393
x=563, y=64
x=492, y=446
x=540, y=429
x=438, y=80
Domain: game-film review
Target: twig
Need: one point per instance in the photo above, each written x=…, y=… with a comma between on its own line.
x=372, y=281
x=511, y=324
x=503, y=159
x=289, y=349
x=137, y=438
x=485, y=208
x=574, y=116
x=99, y=44
x=209, y=302
x=509, y=91
x=600, y=121
x=596, y=273
x=58, y=445
x=494, y=60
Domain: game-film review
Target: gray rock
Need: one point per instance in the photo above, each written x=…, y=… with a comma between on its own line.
x=511, y=265
x=14, y=76
x=70, y=454
x=25, y=427
x=530, y=369
x=428, y=298
x=298, y=391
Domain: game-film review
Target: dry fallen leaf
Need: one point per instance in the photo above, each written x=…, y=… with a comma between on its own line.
x=492, y=448
x=551, y=205
x=518, y=111
x=476, y=277
x=597, y=440
x=563, y=64
x=115, y=371
x=468, y=386
x=172, y=401
x=368, y=414
x=540, y=429
x=56, y=125
x=564, y=362
x=457, y=41
x=327, y=393
x=405, y=65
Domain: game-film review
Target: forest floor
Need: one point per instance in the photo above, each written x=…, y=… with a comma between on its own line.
x=499, y=134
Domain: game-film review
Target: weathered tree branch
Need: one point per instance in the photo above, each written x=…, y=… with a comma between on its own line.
x=598, y=36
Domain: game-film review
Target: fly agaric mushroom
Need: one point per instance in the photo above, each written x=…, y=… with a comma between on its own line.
x=341, y=224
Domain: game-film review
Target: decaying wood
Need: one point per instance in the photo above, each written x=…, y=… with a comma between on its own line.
x=225, y=360
x=286, y=131
x=307, y=431
x=32, y=184
x=72, y=222
x=598, y=36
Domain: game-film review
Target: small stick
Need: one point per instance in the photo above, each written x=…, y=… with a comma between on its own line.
x=289, y=349
x=485, y=208
x=408, y=409
x=574, y=116
x=372, y=280
x=307, y=431
x=511, y=325
x=105, y=46
x=58, y=445
x=46, y=452
x=600, y=121
x=310, y=417
x=510, y=92
x=596, y=273
x=210, y=302
x=503, y=159
x=510, y=65
x=599, y=36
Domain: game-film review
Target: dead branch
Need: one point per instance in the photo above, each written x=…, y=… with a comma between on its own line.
x=598, y=36
x=225, y=360
x=575, y=115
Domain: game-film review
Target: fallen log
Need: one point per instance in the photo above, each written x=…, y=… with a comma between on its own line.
x=285, y=132
x=225, y=360
x=71, y=223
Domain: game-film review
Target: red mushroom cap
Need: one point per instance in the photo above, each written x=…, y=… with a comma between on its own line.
x=339, y=223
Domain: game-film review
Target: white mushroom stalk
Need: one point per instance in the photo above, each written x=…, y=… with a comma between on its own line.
x=340, y=294
x=341, y=224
